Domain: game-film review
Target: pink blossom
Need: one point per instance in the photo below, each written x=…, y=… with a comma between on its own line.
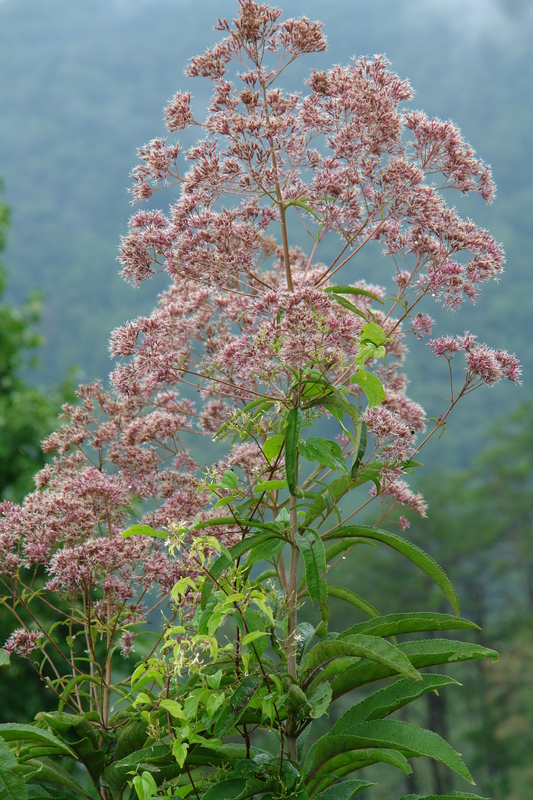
x=23, y=642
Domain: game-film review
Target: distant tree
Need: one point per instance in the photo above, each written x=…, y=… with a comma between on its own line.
x=27, y=415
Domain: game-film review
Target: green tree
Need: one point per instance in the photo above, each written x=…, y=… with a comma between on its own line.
x=27, y=415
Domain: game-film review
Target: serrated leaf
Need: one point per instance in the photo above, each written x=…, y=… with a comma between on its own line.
x=456, y=796
x=411, y=622
x=324, y=451
x=422, y=560
x=389, y=699
x=14, y=784
x=350, y=597
x=13, y=732
x=292, y=436
x=361, y=646
x=344, y=790
x=310, y=546
x=410, y=740
x=345, y=675
x=342, y=754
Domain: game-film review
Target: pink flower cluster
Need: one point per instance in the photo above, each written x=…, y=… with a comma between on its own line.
x=482, y=362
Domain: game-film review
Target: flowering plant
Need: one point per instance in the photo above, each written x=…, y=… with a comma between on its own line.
x=252, y=346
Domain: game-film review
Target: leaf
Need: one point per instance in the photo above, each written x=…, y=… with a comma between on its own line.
x=118, y=773
x=411, y=622
x=361, y=646
x=230, y=715
x=371, y=386
x=353, y=290
x=145, y=786
x=13, y=732
x=4, y=657
x=344, y=790
x=292, y=436
x=319, y=701
x=14, y=784
x=311, y=547
x=456, y=796
x=372, y=332
x=360, y=450
x=269, y=486
x=262, y=552
x=231, y=787
x=272, y=447
x=407, y=739
x=424, y=562
x=325, y=451
x=51, y=774
x=342, y=754
x=346, y=675
x=389, y=699
x=143, y=530
x=354, y=599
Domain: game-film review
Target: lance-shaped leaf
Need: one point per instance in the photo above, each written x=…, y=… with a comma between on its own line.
x=143, y=530
x=346, y=675
x=403, y=737
x=456, y=796
x=118, y=773
x=366, y=647
x=389, y=699
x=412, y=622
x=292, y=436
x=355, y=600
x=50, y=774
x=34, y=737
x=339, y=755
x=344, y=790
x=311, y=547
x=411, y=551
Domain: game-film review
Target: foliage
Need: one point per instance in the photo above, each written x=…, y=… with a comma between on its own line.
x=301, y=378
x=27, y=415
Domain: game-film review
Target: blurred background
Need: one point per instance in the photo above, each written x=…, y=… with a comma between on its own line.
x=83, y=85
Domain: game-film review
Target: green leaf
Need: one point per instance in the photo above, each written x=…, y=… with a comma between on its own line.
x=325, y=451
x=145, y=786
x=327, y=498
x=262, y=552
x=411, y=622
x=371, y=386
x=272, y=447
x=228, y=480
x=13, y=732
x=355, y=600
x=456, y=796
x=231, y=787
x=292, y=436
x=118, y=773
x=346, y=675
x=372, y=332
x=424, y=562
x=389, y=699
x=270, y=486
x=311, y=547
x=319, y=700
x=353, y=290
x=230, y=715
x=143, y=530
x=4, y=657
x=359, y=450
x=360, y=646
x=339, y=755
x=14, y=784
x=344, y=790
x=408, y=739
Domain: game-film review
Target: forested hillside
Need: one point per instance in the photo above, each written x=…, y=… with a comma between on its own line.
x=83, y=85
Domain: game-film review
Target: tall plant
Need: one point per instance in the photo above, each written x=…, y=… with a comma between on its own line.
x=255, y=348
